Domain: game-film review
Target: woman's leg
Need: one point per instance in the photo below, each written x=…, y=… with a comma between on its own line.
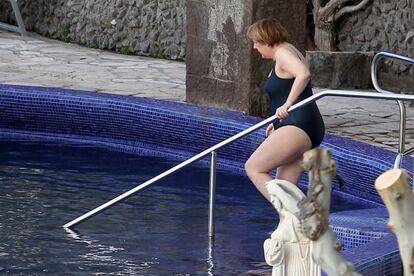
x=291, y=172
x=282, y=149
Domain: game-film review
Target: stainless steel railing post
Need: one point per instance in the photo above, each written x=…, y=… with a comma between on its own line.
x=20, y=28
x=401, y=140
x=374, y=77
x=212, y=194
x=19, y=19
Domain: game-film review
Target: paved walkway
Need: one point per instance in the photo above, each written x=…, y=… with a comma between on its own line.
x=36, y=60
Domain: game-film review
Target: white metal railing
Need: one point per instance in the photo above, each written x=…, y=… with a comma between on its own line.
x=20, y=28
x=213, y=150
x=374, y=76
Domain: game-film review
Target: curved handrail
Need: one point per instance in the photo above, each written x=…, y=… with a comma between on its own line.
x=374, y=77
x=374, y=67
x=338, y=93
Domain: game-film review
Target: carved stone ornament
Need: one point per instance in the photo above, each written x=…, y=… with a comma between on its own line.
x=314, y=212
x=288, y=250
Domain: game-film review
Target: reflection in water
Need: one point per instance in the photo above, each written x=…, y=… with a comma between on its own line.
x=210, y=259
x=98, y=252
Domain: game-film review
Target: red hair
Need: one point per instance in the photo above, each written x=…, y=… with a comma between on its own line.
x=267, y=31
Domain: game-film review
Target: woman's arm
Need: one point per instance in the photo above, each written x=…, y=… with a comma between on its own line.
x=291, y=65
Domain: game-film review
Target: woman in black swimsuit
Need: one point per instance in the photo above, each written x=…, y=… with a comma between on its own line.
x=288, y=83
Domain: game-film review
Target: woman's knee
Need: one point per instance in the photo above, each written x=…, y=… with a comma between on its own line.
x=251, y=168
x=248, y=167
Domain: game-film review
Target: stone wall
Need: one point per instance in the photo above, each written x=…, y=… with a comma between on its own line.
x=141, y=27
x=340, y=69
x=384, y=25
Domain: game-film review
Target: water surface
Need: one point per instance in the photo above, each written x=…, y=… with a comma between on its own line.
x=159, y=231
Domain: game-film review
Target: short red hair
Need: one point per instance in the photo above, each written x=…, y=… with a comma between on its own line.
x=267, y=31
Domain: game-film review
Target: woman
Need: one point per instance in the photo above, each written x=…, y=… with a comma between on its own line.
x=288, y=83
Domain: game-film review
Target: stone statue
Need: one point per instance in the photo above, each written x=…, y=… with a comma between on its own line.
x=288, y=250
x=314, y=211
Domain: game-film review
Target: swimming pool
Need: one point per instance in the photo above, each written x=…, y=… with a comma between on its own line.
x=160, y=231
x=166, y=133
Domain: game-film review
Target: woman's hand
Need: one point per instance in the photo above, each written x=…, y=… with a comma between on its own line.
x=269, y=130
x=282, y=111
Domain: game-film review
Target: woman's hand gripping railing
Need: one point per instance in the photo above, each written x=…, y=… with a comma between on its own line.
x=374, y=77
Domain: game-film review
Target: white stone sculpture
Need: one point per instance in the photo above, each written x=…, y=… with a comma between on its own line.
x=314, y=212
x=287, y=250
x=394, y=189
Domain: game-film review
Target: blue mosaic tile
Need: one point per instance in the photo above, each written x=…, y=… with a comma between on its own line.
x=179, y=131
x=358, y=227
x=380, y=257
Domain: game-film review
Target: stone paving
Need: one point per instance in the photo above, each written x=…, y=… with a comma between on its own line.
x=36, y=60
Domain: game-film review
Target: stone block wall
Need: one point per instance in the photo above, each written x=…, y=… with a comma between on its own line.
x=340, y=69
x=384, y=25
x=141, y=27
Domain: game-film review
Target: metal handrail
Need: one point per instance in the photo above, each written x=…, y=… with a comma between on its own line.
x=213, y=149
x=374, y=77
x=374, y=67
x=20, y=28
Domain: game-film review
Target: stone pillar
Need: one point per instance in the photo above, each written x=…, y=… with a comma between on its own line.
x=222, y=67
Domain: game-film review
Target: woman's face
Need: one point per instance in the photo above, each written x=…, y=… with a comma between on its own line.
x=265, y=50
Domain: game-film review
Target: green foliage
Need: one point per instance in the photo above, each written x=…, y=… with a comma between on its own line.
x=66, y=33
x=123, y=51
x=92, y=45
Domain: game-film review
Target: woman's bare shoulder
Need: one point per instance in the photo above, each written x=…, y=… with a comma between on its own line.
x=291, y=51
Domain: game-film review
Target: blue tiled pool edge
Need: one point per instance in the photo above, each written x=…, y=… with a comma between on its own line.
x=159, y=127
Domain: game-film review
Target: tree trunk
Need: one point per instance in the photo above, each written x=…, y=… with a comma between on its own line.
x=394, y=189
x=314, y=213
x=324, y=39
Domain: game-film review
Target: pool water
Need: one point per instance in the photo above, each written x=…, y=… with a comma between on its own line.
x=159, y=231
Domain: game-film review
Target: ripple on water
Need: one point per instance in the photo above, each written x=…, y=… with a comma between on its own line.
x=160, y=231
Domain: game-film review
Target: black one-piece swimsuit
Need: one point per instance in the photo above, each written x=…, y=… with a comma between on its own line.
x=308, y=118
